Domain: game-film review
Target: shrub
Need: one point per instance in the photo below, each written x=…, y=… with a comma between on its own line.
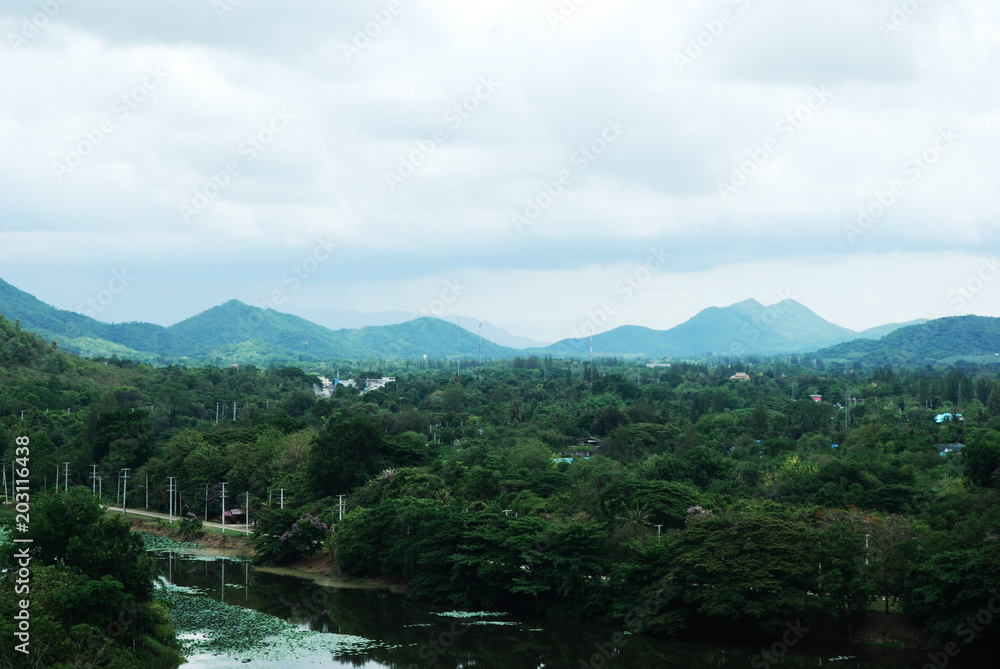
x=189, y=526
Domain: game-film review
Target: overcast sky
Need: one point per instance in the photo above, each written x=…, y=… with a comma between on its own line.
x=535, y=163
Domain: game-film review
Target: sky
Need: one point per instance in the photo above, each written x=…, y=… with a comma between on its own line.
x=549, y=166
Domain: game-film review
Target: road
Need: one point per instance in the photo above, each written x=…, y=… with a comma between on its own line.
x=238, y=528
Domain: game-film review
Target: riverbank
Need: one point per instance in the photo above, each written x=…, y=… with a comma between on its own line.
x=875, y=629
x=321, y=569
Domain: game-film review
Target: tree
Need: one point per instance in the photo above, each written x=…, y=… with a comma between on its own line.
x=344, y=456
x=758, y=419
x=993, y=401
x=982, y=458
x=753, y=562
x=607, y=420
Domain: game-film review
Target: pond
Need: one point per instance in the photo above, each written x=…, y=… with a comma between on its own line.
x=227, y=605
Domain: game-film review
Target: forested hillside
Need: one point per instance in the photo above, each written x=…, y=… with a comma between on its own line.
x=945, y=340
x=566, y=487
x=235, y=332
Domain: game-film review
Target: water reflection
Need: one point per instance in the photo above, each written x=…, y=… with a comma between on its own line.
x=417, y=637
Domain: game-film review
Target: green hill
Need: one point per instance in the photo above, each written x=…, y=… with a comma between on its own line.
x=945, y=340
x=237, y=332
x=739, y=329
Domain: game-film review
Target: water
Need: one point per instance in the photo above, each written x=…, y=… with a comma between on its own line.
x=407, y=635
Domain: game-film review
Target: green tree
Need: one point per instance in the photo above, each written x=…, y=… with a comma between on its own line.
x=344, y=456
x=982, y=458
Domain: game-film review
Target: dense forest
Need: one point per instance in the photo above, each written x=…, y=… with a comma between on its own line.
x=726, y=494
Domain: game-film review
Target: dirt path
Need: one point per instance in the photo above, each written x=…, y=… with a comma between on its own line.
x=238, y=528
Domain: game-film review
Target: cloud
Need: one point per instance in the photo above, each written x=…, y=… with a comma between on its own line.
x=370, y=90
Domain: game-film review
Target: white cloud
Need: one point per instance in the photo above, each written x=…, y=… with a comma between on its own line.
x=658, y=183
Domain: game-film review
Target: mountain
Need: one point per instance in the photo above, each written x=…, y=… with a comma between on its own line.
x=236, y=332
x=882, y=330
x=741, y=328
x=338, y=318
x=944, y=340
x=500, y=336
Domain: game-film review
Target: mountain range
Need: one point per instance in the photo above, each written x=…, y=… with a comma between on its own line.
x=236, y=332
x=739, y=329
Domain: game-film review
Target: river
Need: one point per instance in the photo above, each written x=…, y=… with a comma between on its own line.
x=375, y=628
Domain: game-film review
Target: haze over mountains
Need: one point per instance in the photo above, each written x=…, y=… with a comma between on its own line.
x=338, y=318
x=236, y=332
x=739, y=329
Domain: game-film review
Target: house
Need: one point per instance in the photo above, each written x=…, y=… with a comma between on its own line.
x=235, y=515
x=945, y=449
x=376, y=384
x=740, y=376
x=816, y=398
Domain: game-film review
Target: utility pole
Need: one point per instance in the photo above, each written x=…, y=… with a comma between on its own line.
x=66, y=477
x=5, y=498
x=282, y=497
x=223, y=508
x=170, y=491
x=341, y=505
x=125, y=471
x=234, y=412
x=216, y=413
x=847, y=403
x=658, y=532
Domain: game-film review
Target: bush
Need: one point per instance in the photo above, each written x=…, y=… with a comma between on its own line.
x=189, y=526
x=283, y=536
